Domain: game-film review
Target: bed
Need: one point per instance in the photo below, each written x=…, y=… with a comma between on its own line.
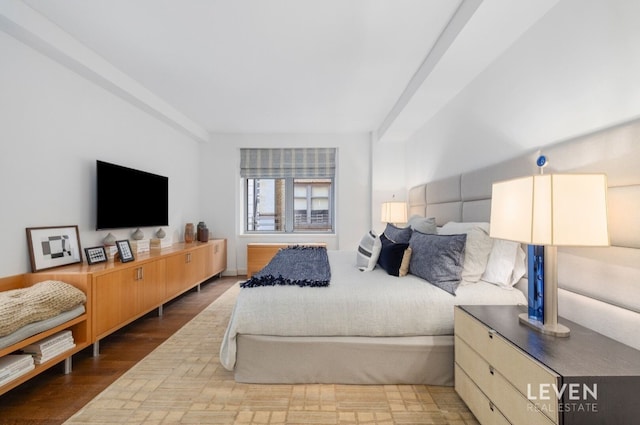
x=598, y=287
x=365, y=327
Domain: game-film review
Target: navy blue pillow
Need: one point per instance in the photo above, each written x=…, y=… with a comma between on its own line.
x=398, y=234
x=438, y=259
x=391, y=255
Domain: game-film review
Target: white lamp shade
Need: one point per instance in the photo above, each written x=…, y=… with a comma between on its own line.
x=394, y=212
x=553, y=209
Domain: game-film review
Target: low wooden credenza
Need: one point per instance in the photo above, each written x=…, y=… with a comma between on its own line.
x=119, y=293
x=124, y=292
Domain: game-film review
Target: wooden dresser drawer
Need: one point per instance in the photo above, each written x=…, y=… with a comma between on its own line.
x=514, y=405
x=477, y=402
x=515, y=366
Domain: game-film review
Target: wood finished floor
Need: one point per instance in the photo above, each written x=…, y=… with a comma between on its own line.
x=52, y=397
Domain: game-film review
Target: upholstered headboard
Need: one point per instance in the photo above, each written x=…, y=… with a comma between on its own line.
x=599, y=287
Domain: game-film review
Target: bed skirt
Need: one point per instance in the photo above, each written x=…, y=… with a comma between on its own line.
x=345, y=360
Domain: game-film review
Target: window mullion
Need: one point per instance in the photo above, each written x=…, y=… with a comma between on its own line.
x=308, y=221
x=288, y=205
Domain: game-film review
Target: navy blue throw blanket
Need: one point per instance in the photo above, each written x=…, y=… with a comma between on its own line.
x=296, y=265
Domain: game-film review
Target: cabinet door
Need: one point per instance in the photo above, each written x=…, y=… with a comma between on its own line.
x=176, y=270
x=151, y=285
x=219, y=263
x=209, y=260
x=116, y=300
x=183, y=271
x=196, y=266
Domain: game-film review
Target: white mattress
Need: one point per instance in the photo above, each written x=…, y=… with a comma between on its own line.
x=354, y=304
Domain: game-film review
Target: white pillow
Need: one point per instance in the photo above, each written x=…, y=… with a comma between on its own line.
x=520, y=268
x=506, y=264
x=368, y=252
x=477, y=248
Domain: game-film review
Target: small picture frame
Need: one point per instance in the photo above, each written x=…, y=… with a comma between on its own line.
x=53, y=246
x=95, y=254
x=124, y=251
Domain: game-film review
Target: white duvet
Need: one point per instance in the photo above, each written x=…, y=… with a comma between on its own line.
x=354, y=304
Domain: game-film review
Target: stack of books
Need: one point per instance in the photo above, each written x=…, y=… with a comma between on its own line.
x=139, y=246
x=14, y=365
x=111, y=250
x=157, y=243
x=48, y=348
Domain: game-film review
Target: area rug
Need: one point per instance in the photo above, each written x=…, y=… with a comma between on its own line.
x=183, y=382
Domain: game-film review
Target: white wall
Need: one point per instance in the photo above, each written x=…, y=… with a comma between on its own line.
x=574, y=72
x=222, y=190
x=388, y=179
x=54, y=124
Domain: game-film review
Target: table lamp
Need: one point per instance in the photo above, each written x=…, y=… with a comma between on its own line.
x=394, y=212
x=547, y=211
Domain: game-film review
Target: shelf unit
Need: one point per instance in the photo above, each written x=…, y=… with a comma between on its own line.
x=79, y=326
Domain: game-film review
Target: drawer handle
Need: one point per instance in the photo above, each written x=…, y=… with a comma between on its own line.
x=491, y=406
x=491, y=370
x=491, y=333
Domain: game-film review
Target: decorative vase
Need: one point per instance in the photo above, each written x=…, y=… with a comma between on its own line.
x=203, y=234
x=109, y=240
x=160, y=234
x=189, y=233
x=137, y=235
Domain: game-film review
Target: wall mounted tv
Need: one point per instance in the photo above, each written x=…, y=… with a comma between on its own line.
x=130, y=198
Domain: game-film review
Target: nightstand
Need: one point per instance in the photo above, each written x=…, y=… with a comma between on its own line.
x=509, y=373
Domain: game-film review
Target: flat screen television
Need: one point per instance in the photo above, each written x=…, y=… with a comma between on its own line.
x=130, y=198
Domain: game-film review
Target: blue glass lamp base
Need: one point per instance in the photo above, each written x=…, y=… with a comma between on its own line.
x=536, y=282
x=535, y=316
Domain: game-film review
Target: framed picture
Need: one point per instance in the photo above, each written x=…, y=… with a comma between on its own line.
x=53, y=246
x=95, y=254
x=124, y=250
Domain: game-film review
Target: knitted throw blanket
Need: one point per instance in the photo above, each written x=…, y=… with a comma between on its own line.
x=296, y=265
x=19, y=307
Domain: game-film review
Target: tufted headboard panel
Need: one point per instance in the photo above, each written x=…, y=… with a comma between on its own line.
x=599, y=287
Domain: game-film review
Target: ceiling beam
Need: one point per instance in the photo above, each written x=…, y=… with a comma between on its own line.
x=28, y=26
x=460, y=17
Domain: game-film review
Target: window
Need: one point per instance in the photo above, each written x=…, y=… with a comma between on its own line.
x=265, y=205
x=289, y=190
x=312, y=204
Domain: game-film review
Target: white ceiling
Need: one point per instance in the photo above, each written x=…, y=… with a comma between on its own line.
x=298, y=66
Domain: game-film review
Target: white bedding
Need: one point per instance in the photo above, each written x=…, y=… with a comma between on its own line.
x=354, y=304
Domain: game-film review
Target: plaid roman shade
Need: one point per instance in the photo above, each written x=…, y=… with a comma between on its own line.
x=288, y=162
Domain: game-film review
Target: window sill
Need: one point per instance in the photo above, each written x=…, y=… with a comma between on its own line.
x=288, y=235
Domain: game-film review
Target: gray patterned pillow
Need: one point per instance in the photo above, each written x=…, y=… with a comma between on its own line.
x=438, y=259
x=423, y=224
x=397, y=234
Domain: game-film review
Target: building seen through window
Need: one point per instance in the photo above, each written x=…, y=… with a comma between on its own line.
x=311, y=201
